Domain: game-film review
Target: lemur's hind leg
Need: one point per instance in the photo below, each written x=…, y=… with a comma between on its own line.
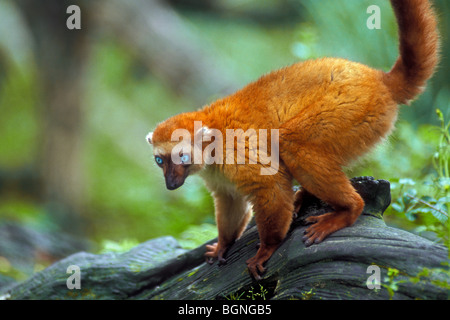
x=320, y=175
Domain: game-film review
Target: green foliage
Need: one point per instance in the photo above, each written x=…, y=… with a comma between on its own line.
x=197, y=235
x=441, y=159
x=426, y=274
x=235, y=296
x=391, y=283
x=9, y=271
x=28, y=213
x=395, y=278
x=269, y=48
x=341, y=31
x=118, y=247
x=428, y=201
x=19, y=126
x=307, y=295
x=257, y=294
x=251, y=294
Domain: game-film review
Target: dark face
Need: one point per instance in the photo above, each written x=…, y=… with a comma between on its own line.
x=175, y=174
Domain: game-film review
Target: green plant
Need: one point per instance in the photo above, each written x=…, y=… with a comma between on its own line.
x=307, y=295
x=393, y=280
x=257, y=295
x=441, y=159
x=427, y=274
x=251, y=294
x=235, y=296
x=428, y=202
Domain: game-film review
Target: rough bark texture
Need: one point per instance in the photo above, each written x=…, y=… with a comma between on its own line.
x=334, y=269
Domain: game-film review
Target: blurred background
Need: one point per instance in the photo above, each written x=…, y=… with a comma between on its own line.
x=75, y=106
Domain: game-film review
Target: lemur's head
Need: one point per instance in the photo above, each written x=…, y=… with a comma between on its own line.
x=175, y=144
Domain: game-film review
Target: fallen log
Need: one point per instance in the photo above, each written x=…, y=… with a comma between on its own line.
x=368, y=260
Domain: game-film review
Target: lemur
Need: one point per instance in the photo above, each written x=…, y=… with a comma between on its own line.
x=326, y=113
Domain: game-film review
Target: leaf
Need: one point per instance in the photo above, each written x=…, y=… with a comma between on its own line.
x=444, y=182
x=397, y=207
x=411, y=216
x=421, y=229
x=412, y=192
x=422, y=210
x=441, y=215
x=443, y=200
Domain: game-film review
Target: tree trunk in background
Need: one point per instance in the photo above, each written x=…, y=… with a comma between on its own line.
x=60, y=55
x=166, y=45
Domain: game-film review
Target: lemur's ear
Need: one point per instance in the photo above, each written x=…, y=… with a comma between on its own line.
x=149, y=137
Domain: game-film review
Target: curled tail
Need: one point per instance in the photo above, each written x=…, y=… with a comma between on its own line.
x=419, y=46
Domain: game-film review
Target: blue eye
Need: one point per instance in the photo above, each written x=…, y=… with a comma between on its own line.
x=159, y=160
x=185, y=158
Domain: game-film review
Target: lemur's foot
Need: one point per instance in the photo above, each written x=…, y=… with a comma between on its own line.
x=256, y=264
x=215, y=251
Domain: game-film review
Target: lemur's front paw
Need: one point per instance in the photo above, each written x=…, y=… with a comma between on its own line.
x=256, y=264
x=214, y=251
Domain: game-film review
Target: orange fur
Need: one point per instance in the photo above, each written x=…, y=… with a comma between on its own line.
x=329, y=112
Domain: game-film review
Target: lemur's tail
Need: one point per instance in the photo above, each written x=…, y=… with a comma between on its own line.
x=419, y=46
